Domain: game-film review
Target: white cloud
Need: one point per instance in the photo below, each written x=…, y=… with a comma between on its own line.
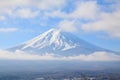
x=68, y=26
x=87, y=10
x=100, y=20
x=20, y=55
x=25, y=13
x=97, y=56
x=11, y=4
x=14, y=5
x=48, y=4
x=8, y=29
x=108, y=22
x=2, y=18
x=84, y=10
x=57, y=13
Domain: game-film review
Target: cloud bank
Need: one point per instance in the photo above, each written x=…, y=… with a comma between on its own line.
x=20, y=55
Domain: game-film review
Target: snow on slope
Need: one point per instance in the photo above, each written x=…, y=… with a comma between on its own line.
x=51, y=37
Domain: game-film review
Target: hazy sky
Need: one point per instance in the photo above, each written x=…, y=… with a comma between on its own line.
x=96, y=21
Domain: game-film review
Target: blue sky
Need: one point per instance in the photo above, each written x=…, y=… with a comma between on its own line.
x=96, y=21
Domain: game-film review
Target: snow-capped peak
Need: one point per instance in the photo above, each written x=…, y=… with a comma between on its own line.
x=53, y=38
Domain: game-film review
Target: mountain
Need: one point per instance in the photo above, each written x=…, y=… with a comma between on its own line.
x=58, y=42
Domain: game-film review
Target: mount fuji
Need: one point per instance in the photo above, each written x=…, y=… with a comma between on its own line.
x=59, y=43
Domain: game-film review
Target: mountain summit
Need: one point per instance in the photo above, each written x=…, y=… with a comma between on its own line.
x=57, y=42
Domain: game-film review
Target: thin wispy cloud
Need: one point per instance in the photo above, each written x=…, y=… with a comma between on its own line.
x=6, y=30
